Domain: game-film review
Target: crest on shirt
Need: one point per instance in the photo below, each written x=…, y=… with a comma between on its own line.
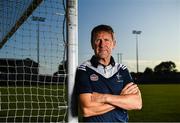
x=119, y=78
x=94, y=77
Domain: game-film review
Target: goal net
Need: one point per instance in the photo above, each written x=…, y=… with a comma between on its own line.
x=32, y=61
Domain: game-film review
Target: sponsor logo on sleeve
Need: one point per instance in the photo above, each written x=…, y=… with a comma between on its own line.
x=94, y=77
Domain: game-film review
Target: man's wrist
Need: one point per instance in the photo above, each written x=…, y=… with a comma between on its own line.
x=106, y=98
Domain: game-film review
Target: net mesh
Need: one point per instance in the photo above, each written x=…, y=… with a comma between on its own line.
x=32, y=61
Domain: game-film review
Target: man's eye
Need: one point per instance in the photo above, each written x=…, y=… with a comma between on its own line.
x=107, y=40
x=98, y=40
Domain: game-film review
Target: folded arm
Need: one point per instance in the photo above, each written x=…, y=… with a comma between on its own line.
x=129, y=98
x=93, y=104
x=92, y=108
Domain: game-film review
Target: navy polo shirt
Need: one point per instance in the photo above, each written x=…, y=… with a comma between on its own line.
x=92, y=76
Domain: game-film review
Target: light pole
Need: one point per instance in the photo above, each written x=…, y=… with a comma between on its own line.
x=119, y=57
x=137, y=57
x=38, y=19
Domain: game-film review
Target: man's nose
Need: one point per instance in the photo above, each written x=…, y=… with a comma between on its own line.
x=102, y=43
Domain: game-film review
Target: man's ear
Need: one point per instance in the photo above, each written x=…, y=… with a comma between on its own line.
x=114, y=43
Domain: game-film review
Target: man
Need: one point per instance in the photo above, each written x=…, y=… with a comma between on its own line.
x=105, y=88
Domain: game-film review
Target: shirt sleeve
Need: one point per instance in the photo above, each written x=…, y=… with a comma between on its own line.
x=127, y=77
x=83, y=84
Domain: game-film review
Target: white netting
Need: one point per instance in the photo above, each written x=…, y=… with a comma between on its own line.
x=32, y=61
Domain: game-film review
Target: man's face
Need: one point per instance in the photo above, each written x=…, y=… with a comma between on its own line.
x=103, y=44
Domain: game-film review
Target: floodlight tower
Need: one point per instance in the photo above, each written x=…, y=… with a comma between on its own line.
x=119, y=57
x=38, y=19
x=137, y=57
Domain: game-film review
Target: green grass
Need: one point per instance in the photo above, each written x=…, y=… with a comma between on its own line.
x=161, y=103
x=35, y=103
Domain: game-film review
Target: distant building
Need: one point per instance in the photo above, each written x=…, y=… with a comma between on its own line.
x=24, y=72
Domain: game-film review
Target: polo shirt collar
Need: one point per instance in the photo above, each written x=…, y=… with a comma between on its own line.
x=94, y=61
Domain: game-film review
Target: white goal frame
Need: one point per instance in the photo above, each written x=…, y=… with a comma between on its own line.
x=72, y=53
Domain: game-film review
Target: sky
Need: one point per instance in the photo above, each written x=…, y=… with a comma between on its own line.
x=24, y=42
x=159, y=21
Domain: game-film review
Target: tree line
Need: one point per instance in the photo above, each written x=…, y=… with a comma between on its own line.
x=165, y=72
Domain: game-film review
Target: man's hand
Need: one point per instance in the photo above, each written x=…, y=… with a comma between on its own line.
x=130, y=88
x=129, y=98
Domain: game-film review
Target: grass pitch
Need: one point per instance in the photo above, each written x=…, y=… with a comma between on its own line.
x=161, y=103
x=45, y=103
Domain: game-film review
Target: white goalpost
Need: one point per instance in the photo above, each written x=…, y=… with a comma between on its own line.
x=72, y=58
